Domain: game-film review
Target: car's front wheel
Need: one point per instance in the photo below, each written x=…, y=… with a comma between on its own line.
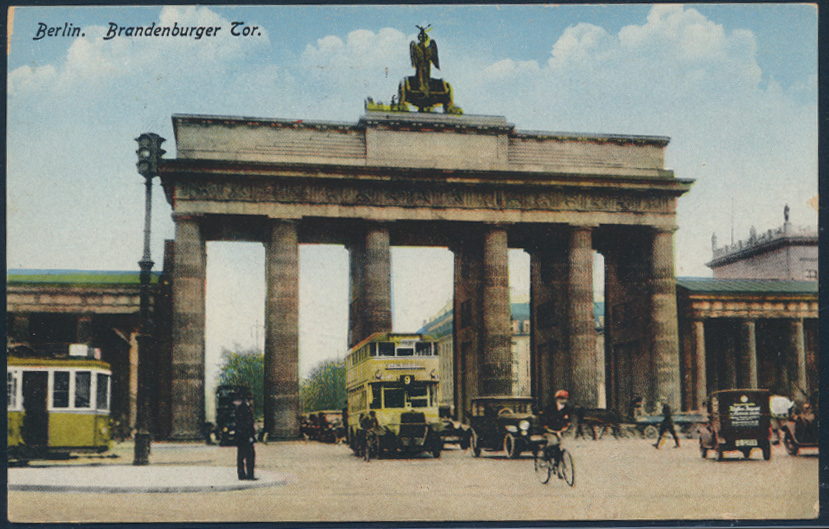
x=476, y=447
x=511, y=446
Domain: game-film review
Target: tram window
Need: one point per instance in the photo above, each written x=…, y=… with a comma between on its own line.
x=372, y=349
x=83, y=388
x=11, y=389
x=394, y=398
x=423, y=349
x=405, y=351
x=60, y=389
x=376, y=397
x=102, y=392
x=386, y=348
x=418, y=397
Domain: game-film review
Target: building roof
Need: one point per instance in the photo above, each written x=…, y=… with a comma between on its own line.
x=441, y=325
x=76, y=277
x=746, y=286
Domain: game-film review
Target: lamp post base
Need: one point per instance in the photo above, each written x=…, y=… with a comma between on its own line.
x=142, y=449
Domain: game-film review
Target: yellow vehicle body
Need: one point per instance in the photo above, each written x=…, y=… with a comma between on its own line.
x=396, y=377
x=58, y=403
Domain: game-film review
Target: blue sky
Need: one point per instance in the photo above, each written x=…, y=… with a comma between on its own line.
x=733, y=86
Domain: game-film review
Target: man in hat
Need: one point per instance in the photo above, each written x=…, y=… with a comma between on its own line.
x=245, y=436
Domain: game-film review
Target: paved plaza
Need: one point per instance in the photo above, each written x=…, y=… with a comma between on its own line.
x=307, y=481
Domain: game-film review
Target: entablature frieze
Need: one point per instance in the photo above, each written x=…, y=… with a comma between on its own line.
x=431, y=195
x=753, y=310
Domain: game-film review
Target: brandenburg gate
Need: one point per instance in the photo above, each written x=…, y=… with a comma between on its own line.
x=472, y=183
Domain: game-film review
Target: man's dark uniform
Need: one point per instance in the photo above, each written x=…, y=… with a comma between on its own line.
x=245, y=437
x=667, y=425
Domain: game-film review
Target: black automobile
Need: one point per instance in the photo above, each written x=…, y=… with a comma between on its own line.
x=506, y=424
x=738, y=421
x=225, y=430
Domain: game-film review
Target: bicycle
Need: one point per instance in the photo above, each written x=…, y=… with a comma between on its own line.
x=371, y=447
x=551, y=458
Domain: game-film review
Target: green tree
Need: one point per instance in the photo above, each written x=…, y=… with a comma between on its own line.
x=324, y=388
x=245, y=368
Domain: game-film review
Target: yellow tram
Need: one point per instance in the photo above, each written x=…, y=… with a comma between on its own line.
x=395, y=377
x=57, y=404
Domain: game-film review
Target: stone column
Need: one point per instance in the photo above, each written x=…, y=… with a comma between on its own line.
x=663, y=318
x=496, y=331
x=699, y=357
x=799, y=349
x=20, y=325
x=188, y=330
x=748, y=354
x=580, y=321
x=370, y=262
x=466, y=319
x=377, y=281
x=548, y=302
x=281, y=404
x=83, y=326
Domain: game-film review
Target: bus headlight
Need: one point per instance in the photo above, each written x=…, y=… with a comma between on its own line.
x=511, y=428
x=434, y=374
x=524, y=425
x=378, y=374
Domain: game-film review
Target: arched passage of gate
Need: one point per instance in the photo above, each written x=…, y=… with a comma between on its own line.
x=473, y=184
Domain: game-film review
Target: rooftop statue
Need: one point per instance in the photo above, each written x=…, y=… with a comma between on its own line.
x=421, y=90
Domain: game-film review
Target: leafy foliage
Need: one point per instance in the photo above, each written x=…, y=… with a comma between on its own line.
x=324, y=389
x=245, y=368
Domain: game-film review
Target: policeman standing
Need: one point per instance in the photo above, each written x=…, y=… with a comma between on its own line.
x=245, y=437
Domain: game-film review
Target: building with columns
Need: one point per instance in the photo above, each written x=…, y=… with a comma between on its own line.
x=48, y=310
x=748, y=333
x=473, y=184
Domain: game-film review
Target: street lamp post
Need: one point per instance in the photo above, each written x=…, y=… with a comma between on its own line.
x=149, y=153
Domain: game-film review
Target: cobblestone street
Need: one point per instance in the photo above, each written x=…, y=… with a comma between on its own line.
x=615, y=480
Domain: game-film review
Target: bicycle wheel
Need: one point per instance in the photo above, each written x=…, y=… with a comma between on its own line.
x=566, y=468
x=542, y=467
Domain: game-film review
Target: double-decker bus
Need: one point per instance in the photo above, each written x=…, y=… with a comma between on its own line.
x=57, y=405
x=396, y=377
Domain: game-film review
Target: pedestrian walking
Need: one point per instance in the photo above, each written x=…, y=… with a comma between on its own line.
x=245, y=437
x=667, y=425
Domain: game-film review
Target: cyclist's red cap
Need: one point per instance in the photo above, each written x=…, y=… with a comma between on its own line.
x=562, y=394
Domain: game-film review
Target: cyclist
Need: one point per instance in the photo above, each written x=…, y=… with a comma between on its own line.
x=555, y=420
x=370, y=427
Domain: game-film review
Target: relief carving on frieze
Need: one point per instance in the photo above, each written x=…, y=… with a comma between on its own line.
x=397, y=196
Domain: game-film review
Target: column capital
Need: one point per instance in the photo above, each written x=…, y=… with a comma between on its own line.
x=179, y=216
x=583, y=226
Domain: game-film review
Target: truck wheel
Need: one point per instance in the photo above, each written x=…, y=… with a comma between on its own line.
x=436, y=450
x=464, y=444
x=511, y=446
x=651, y=432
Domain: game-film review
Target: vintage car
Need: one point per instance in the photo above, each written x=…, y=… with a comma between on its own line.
x=801, y=431
x=504, y=423
x=739, y=420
